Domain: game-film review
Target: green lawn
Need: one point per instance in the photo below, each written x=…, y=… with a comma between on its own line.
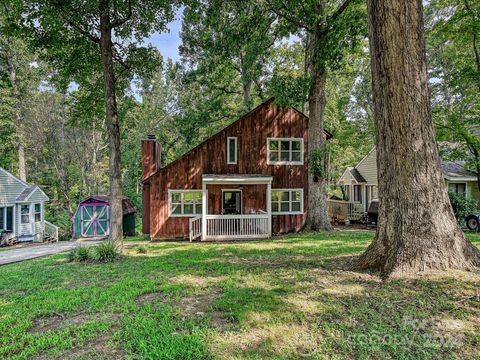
x=287, y=298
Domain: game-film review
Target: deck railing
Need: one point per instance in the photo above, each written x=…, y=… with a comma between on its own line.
x=51, y=232
x=195, y=227
x=344, y=210
x=225, y=227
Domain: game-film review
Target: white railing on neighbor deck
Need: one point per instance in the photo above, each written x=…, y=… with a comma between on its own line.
x=340, y=210
x=51, y=232
x=355, y=211
x=195, y=227
x=232, y=227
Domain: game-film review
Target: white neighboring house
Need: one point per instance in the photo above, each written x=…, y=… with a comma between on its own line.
x=360, y=186
x=22, y=210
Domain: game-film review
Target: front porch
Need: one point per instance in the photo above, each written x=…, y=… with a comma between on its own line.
x=234, y=207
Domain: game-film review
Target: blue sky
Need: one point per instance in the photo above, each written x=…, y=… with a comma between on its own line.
x=168, y=43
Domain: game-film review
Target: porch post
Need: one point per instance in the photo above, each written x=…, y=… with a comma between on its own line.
x=204, y=209
x=269, y=208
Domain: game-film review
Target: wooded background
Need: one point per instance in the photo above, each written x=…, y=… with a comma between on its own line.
x=234, y=55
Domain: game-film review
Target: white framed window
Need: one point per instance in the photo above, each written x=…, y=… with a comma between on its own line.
x=6, y=218
x=287, y=201
x=38, y=213
x=184, y=202
x=458, y=188
x=232, y=152
x=285, y=151
x=25, y=214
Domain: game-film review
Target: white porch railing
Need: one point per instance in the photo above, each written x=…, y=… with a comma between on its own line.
x=355, y=211
x=50, y=233
x=225, y=227
x=195, y=227
x=345, y=210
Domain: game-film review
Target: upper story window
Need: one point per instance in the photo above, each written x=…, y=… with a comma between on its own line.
x=184, y=202
x=232, y=150
x=285, y=151
x=458, y=188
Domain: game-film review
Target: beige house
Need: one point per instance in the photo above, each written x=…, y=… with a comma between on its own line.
x=359, y=183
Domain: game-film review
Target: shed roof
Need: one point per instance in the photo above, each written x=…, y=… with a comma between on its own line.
x=127, y=204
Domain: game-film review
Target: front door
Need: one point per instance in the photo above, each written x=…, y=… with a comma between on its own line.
x=232, y=202
x=95, y=221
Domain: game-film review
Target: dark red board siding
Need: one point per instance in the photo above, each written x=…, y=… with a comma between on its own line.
x=210, y=157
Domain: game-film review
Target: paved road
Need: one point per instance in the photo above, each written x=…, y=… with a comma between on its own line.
x=36, y=251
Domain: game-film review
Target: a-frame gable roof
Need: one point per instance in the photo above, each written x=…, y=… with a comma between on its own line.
x=245, y=116
x=32, y=194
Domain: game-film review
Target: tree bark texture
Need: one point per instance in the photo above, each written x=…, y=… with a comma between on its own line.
x=116, y=212
x=317, y=198
x=417, y=230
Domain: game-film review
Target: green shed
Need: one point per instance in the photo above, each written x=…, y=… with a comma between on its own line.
x=92, y=218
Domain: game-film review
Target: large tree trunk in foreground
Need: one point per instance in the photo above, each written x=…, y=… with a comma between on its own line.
x=116, y=212
x=417, y=230
x=317, y=197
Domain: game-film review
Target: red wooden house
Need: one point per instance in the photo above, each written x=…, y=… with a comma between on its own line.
x=247, y=181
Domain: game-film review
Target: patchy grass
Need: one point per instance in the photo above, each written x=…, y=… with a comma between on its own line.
x=288, y=298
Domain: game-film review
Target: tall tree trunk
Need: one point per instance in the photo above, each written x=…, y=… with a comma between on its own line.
x=247, y=99
x=22, y=174
x=317, y=198
x=417, y=230
x=116, y=213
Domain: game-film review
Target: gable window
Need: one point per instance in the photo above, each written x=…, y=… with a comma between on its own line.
x=285, y=151
x=287, y=201
x=458, y=188
x=25, y=214
x=38, y=213
x=184, y=202
x=231, y=150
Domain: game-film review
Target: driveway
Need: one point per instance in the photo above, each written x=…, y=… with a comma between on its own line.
x=36, y=251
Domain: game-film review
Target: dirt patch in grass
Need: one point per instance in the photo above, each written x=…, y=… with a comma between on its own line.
x=97, y=348
x=150, y=298
x=57, y=321
x=197, y=281
x=198, y=304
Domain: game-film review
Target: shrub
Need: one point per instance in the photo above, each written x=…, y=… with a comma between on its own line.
x=79, y=254
x=105, y=252
x=142, y=249
x=463, y=207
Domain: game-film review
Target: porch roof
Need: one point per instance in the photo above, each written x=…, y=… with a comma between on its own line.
x=236, y=179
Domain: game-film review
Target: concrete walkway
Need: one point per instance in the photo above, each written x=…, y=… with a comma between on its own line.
x=36, y=251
